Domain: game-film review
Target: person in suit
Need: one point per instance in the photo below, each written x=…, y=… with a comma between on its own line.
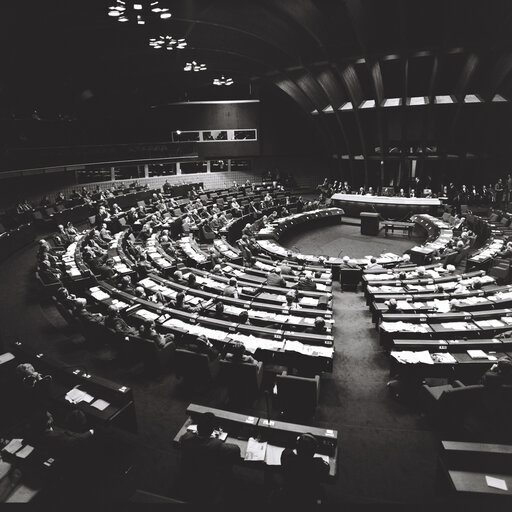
x=236, y=353
x=117, y=324
x=274, y=278
x=305, y=282
x=202, y=345
x=303, y=474
x=499, y=374
x=47, y=274
x=206, y=464
x=148, y=330
x=318, y=327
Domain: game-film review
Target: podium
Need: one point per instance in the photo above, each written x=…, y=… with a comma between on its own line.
x=369, y=223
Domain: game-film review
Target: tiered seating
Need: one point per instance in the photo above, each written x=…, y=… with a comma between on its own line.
x=285, y=342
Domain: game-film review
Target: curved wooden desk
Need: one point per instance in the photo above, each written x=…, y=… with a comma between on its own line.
x=392, y=207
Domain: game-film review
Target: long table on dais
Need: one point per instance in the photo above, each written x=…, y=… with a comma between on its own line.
x=397, y=207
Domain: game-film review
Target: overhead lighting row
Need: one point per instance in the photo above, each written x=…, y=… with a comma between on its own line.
x=167, y=42
x=139, y=11
x=124, y=10
x=223, y=81
x=194, y=66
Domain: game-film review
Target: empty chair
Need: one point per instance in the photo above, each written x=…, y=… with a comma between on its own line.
x=243, y=380
x=447, y=404
x=195, y=369
x=297, y=396
x=350, y=277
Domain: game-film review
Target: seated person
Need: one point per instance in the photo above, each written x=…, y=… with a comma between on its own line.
x=180, y=303
x=305, y=282
x=63, y=235
x=243, y=318
x=347, y=263
x=47, y=274
x=303, y=474
x=148, y=330
x=318, y=328
x=202, y=345
x=374, y=265
x=107, y=270
x=69, y=300
x=292, y=300
x=406, y=261
x=206, y=463
x=237, y=354
x=286, y=268
x=125, y=284
x=82, y=313
x=117, y=324
x=143, y=266
x=178, y=277
x=499, y=374
x=105, y=234
x=392, y=305
x=192, y=281
x=232, y=289
x=217, y=270
x=274, y=278
x=247, y=230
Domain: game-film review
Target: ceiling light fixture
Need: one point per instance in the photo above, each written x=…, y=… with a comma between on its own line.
x=194, y=66
x=139, y=11
x=167, y=42
x=223, y=81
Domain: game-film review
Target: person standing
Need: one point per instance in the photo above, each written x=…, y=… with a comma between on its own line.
x=499, y=189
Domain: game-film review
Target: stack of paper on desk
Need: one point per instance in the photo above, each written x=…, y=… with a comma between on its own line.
x=77, y=395
x=408, y=356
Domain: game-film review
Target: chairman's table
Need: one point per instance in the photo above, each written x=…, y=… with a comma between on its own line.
x=393, y=207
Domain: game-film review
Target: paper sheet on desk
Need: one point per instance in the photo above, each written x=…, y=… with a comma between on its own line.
x=100, y=295
x=77, y=395
x=273, y=455
x=25, y=452
x=100, y=404
x=497, y=483
x=14, y=446
x=255, y=450
x=408, y=356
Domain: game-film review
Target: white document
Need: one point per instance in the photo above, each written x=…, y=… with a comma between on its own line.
x=255, y=450
x=477, y=354
x=273, y=455
x=100, y=404
x=497, y=483
x=14, y=446
x=25, y=452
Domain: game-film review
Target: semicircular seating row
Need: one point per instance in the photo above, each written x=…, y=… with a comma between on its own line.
x=280, y=339
x=444, y=324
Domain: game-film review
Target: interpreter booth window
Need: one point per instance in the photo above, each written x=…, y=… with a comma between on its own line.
x=162, y=170
x=245, y=135
x=214, y=135
x=219, y=165
x=241, y=165
x=130, y=172
x=193, y=167
x=179, y=136
x=93, y=175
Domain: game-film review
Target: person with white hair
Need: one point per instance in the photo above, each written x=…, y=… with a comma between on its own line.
x=347, y=263
x=274, y=278
x=450, y=268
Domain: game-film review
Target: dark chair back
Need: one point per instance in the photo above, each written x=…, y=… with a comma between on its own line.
x=350, y=277
x=297, y=396
x=243, y=380
x=195, y=369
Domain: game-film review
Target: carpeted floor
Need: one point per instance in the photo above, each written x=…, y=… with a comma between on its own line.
x=386, y=453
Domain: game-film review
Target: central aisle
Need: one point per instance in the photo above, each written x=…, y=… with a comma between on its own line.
x=387, y=454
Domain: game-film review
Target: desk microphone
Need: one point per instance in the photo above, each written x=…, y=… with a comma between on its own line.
x=268, y=407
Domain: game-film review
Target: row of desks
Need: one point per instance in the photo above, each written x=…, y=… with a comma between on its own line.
x=279, y=434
